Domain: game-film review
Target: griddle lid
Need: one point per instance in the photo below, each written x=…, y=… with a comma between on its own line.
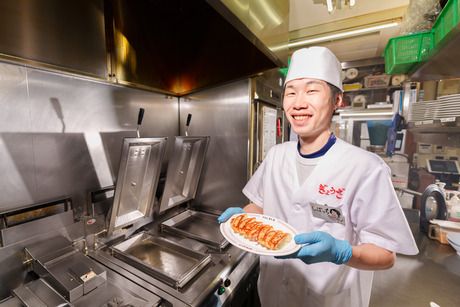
x=184, y=170
x=140, y=167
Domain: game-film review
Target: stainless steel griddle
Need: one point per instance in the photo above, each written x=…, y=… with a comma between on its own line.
x=134, y=203
x=181, y=185
x=161, y=258
x=197, y=225
x=179, y=254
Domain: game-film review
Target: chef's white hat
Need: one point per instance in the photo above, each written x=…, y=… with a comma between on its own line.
x=316, y=63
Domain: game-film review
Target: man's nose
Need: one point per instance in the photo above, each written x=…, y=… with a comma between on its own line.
x=300, y=101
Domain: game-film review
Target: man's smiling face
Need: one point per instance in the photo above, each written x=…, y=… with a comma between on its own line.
x=308, y=106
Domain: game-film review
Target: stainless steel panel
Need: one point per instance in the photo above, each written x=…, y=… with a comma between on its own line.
x=118, y=291
x=200, y=226
x=162, y=258
x=11, y=302
x=38, y=293
x=184, y=170
x=31, y=229
x=140, y=169
x=223, y=114
x=443, y=62
x=62, y=136
x=61, y=33
x=19, y=187
x=67, y=270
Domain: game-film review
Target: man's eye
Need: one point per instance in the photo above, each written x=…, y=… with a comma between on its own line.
x=311, y=91
x=290, y=94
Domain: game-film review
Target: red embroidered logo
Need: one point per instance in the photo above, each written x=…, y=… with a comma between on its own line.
x=327, y=190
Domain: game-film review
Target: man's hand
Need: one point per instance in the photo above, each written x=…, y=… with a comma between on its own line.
x=321, y=247
x=227, y=214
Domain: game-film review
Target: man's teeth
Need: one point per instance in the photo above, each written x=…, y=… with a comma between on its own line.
x=300, y=117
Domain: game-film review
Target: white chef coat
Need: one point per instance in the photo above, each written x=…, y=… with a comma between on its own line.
x=347, y=178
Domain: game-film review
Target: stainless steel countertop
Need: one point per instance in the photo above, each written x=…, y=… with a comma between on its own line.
x=431, y=276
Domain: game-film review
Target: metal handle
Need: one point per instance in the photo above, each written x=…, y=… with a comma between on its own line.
x=411, y=192
x=85, y=245
x=140, y=117
x=187, y=123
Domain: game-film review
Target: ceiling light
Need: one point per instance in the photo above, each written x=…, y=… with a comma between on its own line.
x=340, y=35
x=333, y=4
x=330, y=7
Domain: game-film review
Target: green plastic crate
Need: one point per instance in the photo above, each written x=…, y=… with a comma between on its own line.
x=403, y=52
x=446, y=21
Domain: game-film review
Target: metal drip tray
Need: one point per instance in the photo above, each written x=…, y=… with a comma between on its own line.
x=197, y=225
x=163, y=259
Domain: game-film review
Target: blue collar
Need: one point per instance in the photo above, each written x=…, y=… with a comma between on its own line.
x=320, y=152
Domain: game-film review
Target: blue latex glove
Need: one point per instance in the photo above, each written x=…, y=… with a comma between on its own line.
x=228, y=214
x=321, y=247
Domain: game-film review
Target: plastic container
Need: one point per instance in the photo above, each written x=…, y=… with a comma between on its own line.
x=446, y=21
x=404, y=52
x=378, y=130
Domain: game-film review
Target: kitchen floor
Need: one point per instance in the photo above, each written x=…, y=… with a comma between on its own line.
x=429, y=278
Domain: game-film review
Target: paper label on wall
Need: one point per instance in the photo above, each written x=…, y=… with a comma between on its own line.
x=268, y=129
x=448, y=120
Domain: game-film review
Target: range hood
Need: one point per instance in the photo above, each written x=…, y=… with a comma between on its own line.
x=175, y=46
x=180, y=46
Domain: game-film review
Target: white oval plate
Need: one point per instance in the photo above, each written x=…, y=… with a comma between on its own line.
x=254, y=247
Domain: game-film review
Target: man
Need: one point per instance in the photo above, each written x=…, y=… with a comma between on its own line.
x=338, y=197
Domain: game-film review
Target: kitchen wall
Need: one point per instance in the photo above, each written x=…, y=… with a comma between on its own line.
x=223, y=113
x=62, y=135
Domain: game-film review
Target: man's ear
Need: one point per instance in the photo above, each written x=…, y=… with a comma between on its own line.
x=339, y=101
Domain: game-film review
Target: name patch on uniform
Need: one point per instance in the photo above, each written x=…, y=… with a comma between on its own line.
x=329, y=214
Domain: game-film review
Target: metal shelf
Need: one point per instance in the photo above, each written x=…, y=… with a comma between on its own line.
x=364, y=114
x=368, y=89
x=443, y=62
x=435, y=126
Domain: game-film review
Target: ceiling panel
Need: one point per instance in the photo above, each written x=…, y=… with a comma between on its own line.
x=310, y=18
x=362, y=47
x=307, y=13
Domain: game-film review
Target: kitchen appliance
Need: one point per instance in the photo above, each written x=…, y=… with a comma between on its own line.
x=181, y=185
x=433, y=206
x=162, y=258
x=178, y=251
x=134, y=203
x=58, y=271
x=446, y=171
x=65, y=268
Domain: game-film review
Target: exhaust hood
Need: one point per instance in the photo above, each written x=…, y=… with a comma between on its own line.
x=180, y=46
